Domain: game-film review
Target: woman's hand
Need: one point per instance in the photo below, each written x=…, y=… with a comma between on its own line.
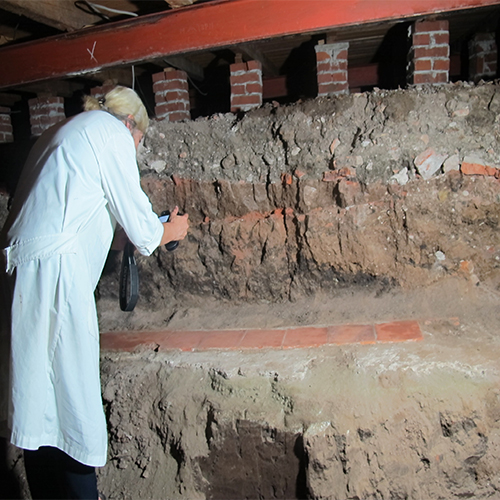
x=175, y=228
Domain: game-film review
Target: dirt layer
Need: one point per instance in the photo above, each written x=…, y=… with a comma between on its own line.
x=383, y=421
x=362, y=209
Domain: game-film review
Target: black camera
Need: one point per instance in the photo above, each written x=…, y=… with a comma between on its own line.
x=171, y=245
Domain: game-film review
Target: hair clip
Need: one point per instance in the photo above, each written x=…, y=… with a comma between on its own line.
x=101, y=101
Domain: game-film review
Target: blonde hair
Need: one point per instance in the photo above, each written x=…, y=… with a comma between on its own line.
x=120, y=102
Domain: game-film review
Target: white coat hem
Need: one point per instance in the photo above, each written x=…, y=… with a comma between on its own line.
x=75, y=452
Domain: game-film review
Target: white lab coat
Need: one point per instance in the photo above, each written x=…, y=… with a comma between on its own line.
x=80, y=180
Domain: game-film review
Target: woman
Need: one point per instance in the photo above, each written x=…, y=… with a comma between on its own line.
x=80, y=182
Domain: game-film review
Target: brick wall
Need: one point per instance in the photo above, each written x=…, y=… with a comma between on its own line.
x=482, y=57
x=429, y=57
x=102, y=90
x=171, y=91
x=45, y=112
x=246, y=85
x=5, y=126
x=331, y=61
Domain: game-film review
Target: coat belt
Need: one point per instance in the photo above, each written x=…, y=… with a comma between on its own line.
x=41, y=247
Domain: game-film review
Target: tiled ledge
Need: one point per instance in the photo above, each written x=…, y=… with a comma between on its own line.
x=286, y=338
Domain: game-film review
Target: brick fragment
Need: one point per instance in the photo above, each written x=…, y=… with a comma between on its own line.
x=471, y=166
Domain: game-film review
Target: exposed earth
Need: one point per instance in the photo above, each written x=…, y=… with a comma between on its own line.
x=360, y=209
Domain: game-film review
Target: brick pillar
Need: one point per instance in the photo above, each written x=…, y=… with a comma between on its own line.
x=45, y=112
x=171, y=95
x=429, y=57
x=246, y=85
x=103, y=89
x=5, y=126
x=331, y=69
x=482, y=57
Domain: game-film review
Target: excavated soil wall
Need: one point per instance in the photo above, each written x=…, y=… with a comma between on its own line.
x=370, y=190
x=363, y=208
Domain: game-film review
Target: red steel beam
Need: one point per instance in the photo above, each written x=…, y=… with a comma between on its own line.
x=199, y=27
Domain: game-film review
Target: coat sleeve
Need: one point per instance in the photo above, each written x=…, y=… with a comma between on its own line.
x=127, y=201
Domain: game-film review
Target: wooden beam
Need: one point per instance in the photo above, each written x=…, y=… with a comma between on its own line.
x=194, y=70
x=363, y=76
x=200, y=27
x=61, y=88
x=272, y=88
x=59, y=14
x=9, y=100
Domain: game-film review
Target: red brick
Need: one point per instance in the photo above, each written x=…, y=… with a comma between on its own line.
x=305, y=337
x=178, y=116
x=130, y=341
x=242, y=100
x=238, y=89
x=323, y=56
x=254, y=88
x=48, y=100
x=166, y=107
x=337, y=66
x=323, y=67
x=236, y=67
x=422, y=65
x=6, y=137
x=159, y=97
x=441, y=77
x=421, y=78
x=157, y=77
x=4, y=110
x=48, y=121
x=177, y=105
x=421, y=39
x=324, y=78
x=398, y=331
x=441, y=64
x=175, y=74
x=468, y=168
x=339, y=76
x=242, y=79
x=429, y=52
x=176, y=84
x=331, y=88
x=221, y=339
x=161, y=109
x=177, y=95
x=441, y=38
x=351, y=334
x=254, y=65
x=261, y=339
x=341, y=56
x=160, y=86
x=424, y=26
x=185, y=341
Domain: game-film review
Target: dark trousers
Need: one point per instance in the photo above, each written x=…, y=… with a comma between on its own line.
x=52, y=474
